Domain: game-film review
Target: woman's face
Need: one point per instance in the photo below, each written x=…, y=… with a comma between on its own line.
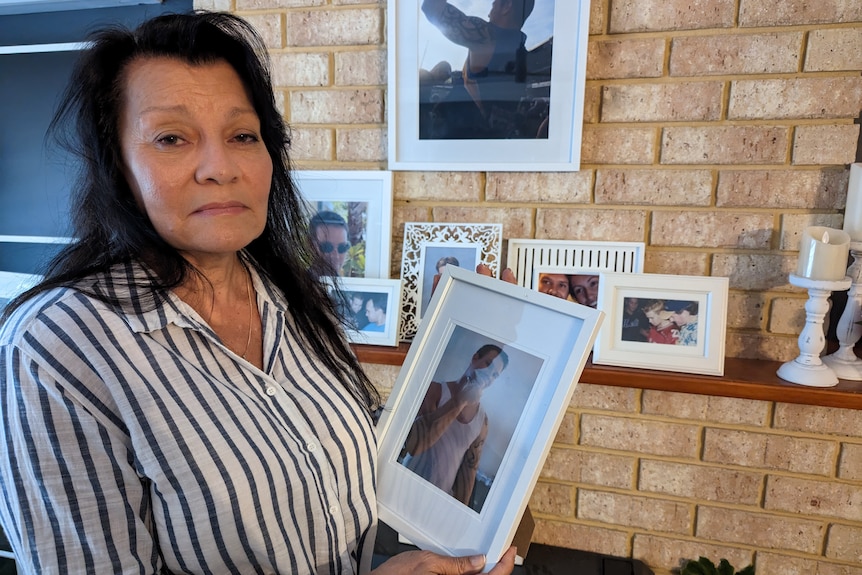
x=193, y=155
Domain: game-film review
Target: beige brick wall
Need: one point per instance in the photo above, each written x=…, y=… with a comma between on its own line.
x=714, y=131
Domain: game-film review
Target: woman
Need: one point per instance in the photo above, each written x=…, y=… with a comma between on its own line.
x=177, y=395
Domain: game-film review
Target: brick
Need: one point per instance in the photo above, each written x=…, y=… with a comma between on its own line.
x=654, y=187
x=639, y=58
x=213, y=5
x=400, y=215
x=814, y=498
x=823, y=145
x=360, y=68
x=553, y=499
x=787, y=315
x=760, y=272
x=271, y=4
x=746, y=310
x=700, y=482
x=735, y=54
x=602, y=469
x=601, y=145
x=382, y=376
x=760, y=13
x=676, y=263
x=809, y=189
x=711, y=229
x=692, y=101
x=792, y=226
x=843, y=543
x=632, y=511
x=808, y=98
x=583, y=537
x=311, y=144
x=653, y=437
x=634, y=16
x=438, y=186
x=793, y=565
x=850, y=464
x=346, y=2
x=334, y=27
x=706, y=408
x=759, y=346
x=517, y=222
x=269, y=28
x=834, y=50
x=815, y=419
x=592, y=99
x=567, y=434
x=666, y=553
x=605, y=397
x=337, y=106
x=608, y=225
x=758, y=529
x=597, y=16
x=360, y=145
x=786, y=453
x=540, y=187
x=300, y=69
x=724, y=145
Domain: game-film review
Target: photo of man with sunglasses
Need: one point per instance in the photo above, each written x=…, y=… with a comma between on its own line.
x=329, y=232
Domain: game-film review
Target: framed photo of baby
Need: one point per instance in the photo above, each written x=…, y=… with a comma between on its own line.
x=664, y=322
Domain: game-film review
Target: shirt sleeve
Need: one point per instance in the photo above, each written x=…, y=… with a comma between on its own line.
x=72, y=499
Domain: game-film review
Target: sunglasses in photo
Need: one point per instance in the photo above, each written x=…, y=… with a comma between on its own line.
x=327, y=247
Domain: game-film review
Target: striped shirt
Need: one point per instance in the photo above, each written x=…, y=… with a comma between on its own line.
x=135, y=442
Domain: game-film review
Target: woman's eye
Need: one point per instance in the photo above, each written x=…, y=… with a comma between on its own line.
x=247, y=138
x=168, y=140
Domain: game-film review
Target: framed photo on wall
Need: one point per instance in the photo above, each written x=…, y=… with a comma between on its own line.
x=350, y=218
x=518, y=109
x=372, y=308
x=428, y=248
x=514, y=357
x=663, y=322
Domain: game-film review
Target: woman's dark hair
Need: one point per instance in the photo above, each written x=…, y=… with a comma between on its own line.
x=108, y=225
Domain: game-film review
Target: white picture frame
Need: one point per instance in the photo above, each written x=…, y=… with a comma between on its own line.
x=426, y=245
x=547, y=342
x=384, y=296
x=559, y=88
x=693, y=350
x=356, y=195
x=599, y=256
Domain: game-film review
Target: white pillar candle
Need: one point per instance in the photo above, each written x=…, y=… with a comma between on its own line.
x=853, y=209
x=823, y=254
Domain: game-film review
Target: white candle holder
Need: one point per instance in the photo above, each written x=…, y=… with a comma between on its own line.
x=808, y=368
x=844, y=362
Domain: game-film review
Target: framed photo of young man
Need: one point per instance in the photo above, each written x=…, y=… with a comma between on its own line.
x=482, y=85
x=370, y=308
x=457, y=481
x=350, y=219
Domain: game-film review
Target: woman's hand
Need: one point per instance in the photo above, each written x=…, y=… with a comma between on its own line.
x=428, y=563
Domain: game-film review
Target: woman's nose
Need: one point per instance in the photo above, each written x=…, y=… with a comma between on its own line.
x=216, y=163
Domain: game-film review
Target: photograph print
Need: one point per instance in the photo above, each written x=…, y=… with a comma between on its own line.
x=369, y=308
x=349, y=220
x=487, y=84
x=460, y=451
x=581, y=287
x=436, y=257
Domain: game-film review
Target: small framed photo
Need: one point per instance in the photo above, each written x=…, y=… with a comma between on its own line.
x=457, y=481
x=580, y=285
x=663, y=322
x=428, y=248
x=371, y=307
x=12, y=284
x=521, y=111
x=526, y=257
x=351, y=219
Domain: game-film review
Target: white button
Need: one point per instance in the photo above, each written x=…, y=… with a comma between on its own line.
x=334, y=510
x=311, y=446
x=270, y=391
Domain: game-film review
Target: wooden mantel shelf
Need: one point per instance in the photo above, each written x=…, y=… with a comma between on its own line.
x=743, y=378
